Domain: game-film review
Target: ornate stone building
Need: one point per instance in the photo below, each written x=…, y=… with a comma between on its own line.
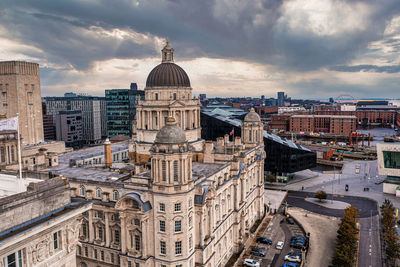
x=190, y=202
x=40, y=227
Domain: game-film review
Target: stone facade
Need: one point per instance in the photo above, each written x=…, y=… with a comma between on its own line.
x=40, y=227
x=20, y=95
x=193, y=203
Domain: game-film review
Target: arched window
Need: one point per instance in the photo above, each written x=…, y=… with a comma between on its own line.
x=174, y=96
x=83, y=264
x=250, y=135
x=115, y=195
x=98, y=192
x=156, y=96
x=176, y=171
x=82, y=191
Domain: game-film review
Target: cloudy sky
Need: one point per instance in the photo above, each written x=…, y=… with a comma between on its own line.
x=307, y=48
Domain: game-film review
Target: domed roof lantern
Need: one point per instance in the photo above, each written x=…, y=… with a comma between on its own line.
x=252, y=116
x=167, y=53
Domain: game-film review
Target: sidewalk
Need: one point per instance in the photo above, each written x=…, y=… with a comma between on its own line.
x=323, y=232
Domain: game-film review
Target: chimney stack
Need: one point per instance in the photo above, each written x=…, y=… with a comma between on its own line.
x=107, y=154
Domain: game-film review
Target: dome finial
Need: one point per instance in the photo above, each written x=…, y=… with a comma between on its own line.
x=167, y=53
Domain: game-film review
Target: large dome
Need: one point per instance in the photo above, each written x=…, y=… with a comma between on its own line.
x=168, y=74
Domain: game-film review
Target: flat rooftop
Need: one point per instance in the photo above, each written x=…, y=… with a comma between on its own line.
x=91, y=152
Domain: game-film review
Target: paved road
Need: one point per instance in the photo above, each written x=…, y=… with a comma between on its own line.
x=370, y=249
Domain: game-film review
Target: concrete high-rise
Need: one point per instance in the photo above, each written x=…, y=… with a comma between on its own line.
x=20, y=95
x=281, y=99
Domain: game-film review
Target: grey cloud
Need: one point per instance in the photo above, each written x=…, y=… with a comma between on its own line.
x=366, y=68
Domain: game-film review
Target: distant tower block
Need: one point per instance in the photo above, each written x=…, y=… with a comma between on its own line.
x=20, y=94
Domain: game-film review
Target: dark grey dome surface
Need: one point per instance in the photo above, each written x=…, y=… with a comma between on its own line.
x=171, y=133
x=252, y=116
x=168, y=75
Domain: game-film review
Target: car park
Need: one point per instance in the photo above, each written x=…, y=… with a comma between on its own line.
x=258, y=252
x=293, y=257
x=280, y=245
x=264, y=240
x=251, y=263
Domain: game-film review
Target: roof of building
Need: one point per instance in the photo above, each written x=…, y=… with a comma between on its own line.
x=325, y=116
x=269, y=136
x=168, y=75
x=252, y=116
x=171, y=133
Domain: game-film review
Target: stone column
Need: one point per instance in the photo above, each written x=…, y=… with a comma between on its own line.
x=144, y=238
x=151, y=121
x=124, y=235
x=108, y=233
x=243, y=189
x=91, y=230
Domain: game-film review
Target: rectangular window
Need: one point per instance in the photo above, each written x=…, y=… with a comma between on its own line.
x=129, y=264
x=116, y=235
x=163, y=249
x=391, y=159
x=164, y=170
x=15, y=259
x=84, y=230
x=86, y=251
x=178, y=248
x=162, y=226
x=190, y=221
x=190, y=242
x=137, y=242
x=95, y=253
x=176, y=171
x=190, y=203
x=178, y=226
x=55, y=240
x=79, y=250
x=137, y=265
x=162, y=207
x=177, y=207
x=100, y=233
x=102, y=255
x=112, y=257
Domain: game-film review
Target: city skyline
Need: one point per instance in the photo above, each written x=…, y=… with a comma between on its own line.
x=228, y=48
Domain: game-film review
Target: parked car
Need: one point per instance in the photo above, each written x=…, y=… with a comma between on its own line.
x=298, y=242
x=251, y=263
x=280, y=245
x=290, y=220
x=293, y=257
x=264, y=240
x=258, y=252
x=290, y=264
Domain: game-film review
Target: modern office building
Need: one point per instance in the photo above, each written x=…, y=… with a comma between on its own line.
x=94, y=114
x=121, y=109
x=389, y=165
x=20, y=95
x=281, y=99
x=282, y=156
x=69, y=127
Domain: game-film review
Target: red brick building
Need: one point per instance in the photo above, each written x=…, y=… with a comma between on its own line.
x=366, y=116
x=322, y=123
x=280, y=122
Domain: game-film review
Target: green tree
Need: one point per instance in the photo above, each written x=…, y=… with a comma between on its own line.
x=390, y=237
x=346, y=241
x=321, y=195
